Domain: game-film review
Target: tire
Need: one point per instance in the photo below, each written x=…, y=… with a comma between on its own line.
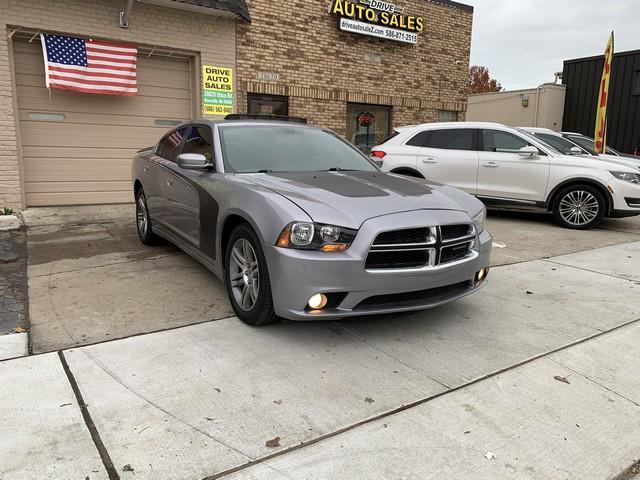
x=143, y=220
x=247, y=278
x=579, y=207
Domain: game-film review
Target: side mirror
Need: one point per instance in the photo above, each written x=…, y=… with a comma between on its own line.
x=193, y=161
x=575, y=151
x=528, y=151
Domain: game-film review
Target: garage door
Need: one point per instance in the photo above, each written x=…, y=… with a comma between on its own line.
x=77, y=147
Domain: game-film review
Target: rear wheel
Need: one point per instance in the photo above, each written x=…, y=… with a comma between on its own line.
x=143, y=220
x=247, y=278
x=579, y=207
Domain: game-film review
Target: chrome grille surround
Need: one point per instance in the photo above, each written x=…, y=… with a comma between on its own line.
x=444, y=245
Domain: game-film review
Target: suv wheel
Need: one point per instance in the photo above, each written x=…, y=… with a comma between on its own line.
x=247, y=278
x=143, y=220
x=579, y=207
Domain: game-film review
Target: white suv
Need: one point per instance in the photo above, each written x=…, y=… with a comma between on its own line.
x=510, y=168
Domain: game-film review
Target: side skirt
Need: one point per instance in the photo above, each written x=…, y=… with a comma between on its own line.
x=189, y=249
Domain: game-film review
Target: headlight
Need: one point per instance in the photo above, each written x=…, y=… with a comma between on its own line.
x=314, y=236
x=629, y=177
x=479, y=219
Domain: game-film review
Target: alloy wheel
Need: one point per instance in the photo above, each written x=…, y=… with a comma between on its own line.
x=579, y=208
x=142, y=216
x=244, y=274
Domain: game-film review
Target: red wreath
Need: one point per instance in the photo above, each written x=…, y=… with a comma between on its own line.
x=366, y=119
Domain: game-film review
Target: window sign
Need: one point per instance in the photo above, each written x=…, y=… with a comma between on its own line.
x=377, y=18
x=217, y=90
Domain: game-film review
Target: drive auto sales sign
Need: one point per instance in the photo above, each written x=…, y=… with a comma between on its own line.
x=377, y=18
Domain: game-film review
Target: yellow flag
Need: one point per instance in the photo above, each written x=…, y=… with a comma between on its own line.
x=600, y=135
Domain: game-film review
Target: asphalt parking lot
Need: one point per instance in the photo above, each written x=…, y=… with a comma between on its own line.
x=534, y=377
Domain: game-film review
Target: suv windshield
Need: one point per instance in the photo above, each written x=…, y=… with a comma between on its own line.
x=282, y=148
x=585, y=143
x=537, y=139
x=560, y=143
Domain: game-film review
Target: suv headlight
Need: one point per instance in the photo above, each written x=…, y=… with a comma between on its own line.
x=315, y=236
x=478, y=221
x=629, y=177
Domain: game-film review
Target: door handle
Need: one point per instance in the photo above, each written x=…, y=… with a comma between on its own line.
x=490, y=165
x=145, y=169
x=429, y=160
x=169, y=182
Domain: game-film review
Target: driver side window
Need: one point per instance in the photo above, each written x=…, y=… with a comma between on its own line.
x=504, y=142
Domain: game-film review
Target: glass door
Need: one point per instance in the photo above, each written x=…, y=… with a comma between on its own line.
x=367, y=125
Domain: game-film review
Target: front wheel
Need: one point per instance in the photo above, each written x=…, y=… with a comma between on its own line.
x=247, y=278
x=579, y=207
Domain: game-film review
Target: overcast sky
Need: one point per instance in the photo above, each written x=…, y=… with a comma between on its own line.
x=524, y=42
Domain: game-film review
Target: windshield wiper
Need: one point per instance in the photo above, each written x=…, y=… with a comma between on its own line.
x=265, y=170
x=338, y=169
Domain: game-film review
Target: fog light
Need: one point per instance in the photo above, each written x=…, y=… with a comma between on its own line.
x=318, y=301
x=482, y=274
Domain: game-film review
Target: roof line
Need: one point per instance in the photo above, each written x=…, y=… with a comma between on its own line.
x=597, y=57
x=451, y=3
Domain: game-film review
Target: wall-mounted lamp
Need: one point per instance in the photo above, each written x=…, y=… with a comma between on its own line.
x=525, y=100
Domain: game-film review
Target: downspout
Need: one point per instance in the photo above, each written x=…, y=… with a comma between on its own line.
x=535, y=115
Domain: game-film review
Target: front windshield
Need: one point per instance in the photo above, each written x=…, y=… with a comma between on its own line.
x=539, y=140
x=556, y=141
x=585, y=143
x=283, y=148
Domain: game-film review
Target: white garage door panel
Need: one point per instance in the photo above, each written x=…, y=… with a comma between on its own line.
x=85, y=156
x=80, y=169
x=65, y=134
x=76, y=152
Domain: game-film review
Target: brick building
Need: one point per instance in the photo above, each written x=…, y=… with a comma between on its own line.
x=305, y=58
x=294, y=58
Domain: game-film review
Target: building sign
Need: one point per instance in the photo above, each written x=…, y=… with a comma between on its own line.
x=217, y=90
x=376, y=18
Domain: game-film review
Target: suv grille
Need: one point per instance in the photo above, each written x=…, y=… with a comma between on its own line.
x=420, y=247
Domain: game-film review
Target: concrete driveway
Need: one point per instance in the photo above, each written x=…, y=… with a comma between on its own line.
x=91, y=280
x=534, y=377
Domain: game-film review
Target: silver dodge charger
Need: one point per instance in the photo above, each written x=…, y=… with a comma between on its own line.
x=299, y=224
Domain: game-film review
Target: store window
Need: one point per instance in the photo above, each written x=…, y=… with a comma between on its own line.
x=447, y=116
x=268, y=104
x=367, y=125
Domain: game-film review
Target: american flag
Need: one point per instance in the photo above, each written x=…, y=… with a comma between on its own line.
x=90, y=66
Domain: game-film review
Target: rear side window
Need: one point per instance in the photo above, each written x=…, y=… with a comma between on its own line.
x=394, y=134
x=199, y=141
x=497, y=141
x=450, y=139
x=418, y=139
x=168, y=147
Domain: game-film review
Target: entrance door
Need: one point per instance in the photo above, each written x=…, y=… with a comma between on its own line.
x=367, y=125
x=268, y=105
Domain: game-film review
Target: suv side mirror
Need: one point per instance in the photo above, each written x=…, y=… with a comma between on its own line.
x=575, y=151
x=193, y=161
x=528, y=151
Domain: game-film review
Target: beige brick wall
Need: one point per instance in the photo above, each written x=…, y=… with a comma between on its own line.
x=211, y=38
x=321, y=68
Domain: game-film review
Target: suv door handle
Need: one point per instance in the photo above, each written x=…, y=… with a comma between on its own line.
x=429, y=160
x=490, y=165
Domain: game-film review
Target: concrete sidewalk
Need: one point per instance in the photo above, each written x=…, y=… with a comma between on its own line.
x=534, y=377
